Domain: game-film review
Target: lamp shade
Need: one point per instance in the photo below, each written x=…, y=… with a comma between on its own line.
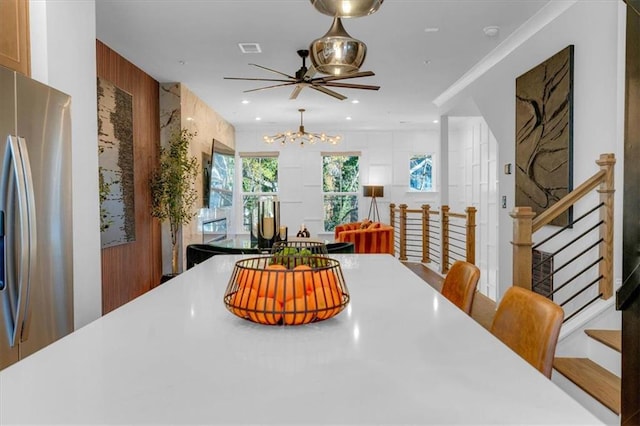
x=337, y=53
x=347, y=8
x=373, y=191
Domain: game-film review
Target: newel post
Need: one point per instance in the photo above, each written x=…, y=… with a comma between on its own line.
x=471, y=234
x=606, y=191
x=425, y=233
x=444, y=266
x=392, y=214
x=522, y=246
x=403, y=232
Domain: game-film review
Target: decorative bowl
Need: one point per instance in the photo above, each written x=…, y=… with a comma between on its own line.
x=279, y=290
x=299, y=248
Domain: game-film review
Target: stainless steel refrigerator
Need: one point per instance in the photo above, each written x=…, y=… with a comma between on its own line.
x=36, y=287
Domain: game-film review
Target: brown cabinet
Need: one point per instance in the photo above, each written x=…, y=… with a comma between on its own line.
x=14, y=35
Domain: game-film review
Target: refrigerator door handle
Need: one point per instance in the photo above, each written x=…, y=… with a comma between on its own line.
x=31, y=238
x=16, y=159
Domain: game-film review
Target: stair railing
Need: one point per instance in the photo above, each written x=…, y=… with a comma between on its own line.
x=432, y=236
x=526, y=225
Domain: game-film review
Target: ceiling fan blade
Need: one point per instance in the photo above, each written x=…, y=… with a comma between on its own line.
x=296, y=91
x=311, y=71
x=351, y=86
x=272, y=70
x=269, y=87
x=256, y=79
x=328, y=92
x=344, y=77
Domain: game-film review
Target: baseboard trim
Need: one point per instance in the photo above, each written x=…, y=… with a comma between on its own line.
x=577, y=322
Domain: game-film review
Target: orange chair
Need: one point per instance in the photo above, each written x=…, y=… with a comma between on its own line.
x=372, y=237
x=459, y=285
x=529, y=324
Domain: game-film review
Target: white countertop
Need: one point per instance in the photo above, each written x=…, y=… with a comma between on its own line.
x=400, y=353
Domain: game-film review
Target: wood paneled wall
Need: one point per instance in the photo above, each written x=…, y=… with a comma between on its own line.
x=129, y=270
x=631, y=225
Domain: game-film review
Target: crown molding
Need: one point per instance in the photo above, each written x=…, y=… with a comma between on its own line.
x=547, y=14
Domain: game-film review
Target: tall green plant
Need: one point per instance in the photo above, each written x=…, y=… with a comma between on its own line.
x=173, y=191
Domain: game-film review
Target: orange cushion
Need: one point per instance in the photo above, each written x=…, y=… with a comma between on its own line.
x=376, y=240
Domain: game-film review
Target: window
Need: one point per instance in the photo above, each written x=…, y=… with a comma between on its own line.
x=221, y=171
x=421, y=173
x=259, y=179
x=340, y=184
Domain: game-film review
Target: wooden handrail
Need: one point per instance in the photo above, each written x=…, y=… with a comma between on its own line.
x=525, y=225
x=458, y=215
x=444, y=216
x=567, y=201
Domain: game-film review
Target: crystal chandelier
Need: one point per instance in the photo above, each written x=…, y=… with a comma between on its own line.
x=301, y=136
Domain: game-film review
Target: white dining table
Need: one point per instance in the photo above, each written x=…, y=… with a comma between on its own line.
x=399, y=353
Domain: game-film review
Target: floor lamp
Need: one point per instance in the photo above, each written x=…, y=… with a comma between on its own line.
x=373, y=191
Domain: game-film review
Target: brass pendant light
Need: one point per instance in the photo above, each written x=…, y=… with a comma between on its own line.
x=347, y=8
x=337, y=53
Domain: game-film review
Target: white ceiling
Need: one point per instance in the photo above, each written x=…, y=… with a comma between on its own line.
x=196, y=42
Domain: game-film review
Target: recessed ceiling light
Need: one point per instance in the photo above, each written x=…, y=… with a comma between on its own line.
x=435, y=121
x=258, y=118
x=189, y=118
x=491, y=31
x=249, y=47
x=431, y=30
x=355, y=101
x=347, y=118
x=245, y=101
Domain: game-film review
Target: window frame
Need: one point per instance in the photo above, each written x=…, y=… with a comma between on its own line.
x=433, y=172
x=355, y=193
x=246, y=226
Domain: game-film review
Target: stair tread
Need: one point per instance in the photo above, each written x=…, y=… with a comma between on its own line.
x=611, y=338
x=595, y=380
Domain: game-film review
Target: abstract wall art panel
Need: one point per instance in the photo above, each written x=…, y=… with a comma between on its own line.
x=544, y=133
x=115, y=144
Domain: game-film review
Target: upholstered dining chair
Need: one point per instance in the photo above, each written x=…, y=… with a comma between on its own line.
x=198, y=253
x=529, y=324
x=459, y=285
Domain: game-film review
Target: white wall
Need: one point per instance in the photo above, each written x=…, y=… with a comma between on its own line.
x=63, y=55
x=594, y=28
x=473, y=182
x=384, y=161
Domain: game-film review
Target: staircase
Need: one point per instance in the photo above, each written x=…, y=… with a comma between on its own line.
x=594, y=380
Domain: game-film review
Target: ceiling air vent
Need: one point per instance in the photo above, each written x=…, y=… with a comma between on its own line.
x=250, y=47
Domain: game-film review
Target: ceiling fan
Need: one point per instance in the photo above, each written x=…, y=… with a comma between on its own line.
x=304, y=78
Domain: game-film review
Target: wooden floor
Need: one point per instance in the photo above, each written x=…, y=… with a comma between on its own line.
x=483, y=308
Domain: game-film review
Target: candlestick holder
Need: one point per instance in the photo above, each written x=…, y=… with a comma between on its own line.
x=265, y=223
x=283, y=234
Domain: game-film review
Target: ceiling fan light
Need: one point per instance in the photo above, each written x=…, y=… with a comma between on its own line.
x=337, y=53
x=347, y=8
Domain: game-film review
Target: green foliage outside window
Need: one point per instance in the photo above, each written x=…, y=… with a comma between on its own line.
x=259, y=178
x=340, y=184
x=259, y=174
